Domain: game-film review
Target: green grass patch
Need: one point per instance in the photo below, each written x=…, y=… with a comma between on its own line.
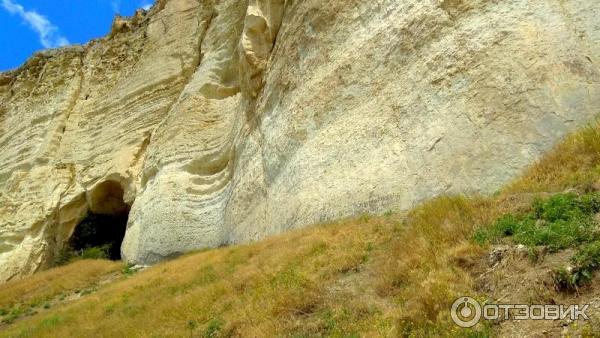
x=213, y=328
x=16, y=313
x=559, y=222
x=585, y=261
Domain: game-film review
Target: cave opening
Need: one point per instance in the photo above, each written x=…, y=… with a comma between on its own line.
x=100, y=234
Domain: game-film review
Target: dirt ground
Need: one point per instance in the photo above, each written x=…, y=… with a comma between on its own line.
x=509, y=275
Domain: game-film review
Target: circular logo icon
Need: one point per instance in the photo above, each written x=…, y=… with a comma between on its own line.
x=466, y=312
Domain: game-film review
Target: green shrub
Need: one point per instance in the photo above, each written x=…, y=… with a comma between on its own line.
x=588, y=256
x=95, y=252
x=564, y=280
x=213, y=328
x=128, y=269
x=558, y=207
x=66, y=255
x=557, y=235
x=505, y=226
x=586, y=261
x=559, y=222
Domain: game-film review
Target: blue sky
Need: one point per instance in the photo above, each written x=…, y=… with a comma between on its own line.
x=27, y=26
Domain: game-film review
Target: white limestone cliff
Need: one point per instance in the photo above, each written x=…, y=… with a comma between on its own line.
x=221, y=122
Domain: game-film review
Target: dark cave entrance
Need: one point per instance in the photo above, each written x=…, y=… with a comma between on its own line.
x=101, y=232
x=99, y=235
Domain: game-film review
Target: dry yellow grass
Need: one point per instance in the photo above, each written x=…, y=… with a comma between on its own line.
x=429, y=262
x=358, y=276
x=371, y=276
x=48, y=284
x=574, y=163
x=253, y=290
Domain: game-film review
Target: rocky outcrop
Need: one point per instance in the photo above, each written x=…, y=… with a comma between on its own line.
x=221, y=122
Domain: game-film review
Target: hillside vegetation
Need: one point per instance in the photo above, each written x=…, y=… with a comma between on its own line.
x=390, y=275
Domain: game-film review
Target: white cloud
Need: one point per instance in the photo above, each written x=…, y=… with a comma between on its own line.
x=49, y=34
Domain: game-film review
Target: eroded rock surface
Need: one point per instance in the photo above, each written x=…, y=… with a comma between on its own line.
x=226, y=121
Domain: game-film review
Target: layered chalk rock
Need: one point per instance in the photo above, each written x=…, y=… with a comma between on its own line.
x=220, y=122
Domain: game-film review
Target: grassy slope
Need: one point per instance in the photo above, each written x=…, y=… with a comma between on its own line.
x=371, y=276
x=43, y=286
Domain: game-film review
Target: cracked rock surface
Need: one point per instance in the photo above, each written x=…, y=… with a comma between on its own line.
x=226, y=121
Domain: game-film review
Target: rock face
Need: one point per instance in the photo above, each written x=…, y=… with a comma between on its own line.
x=224, y=121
